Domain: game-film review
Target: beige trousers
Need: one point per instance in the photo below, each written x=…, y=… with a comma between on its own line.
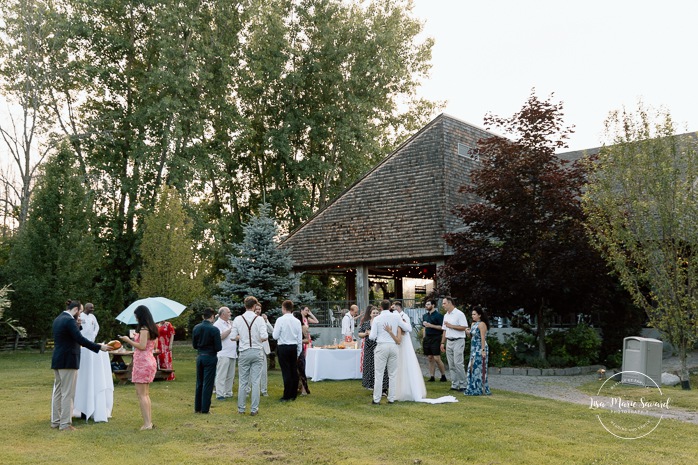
x=63, y=395
x=385, y=355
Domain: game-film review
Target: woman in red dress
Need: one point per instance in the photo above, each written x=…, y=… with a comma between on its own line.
x=166, y=334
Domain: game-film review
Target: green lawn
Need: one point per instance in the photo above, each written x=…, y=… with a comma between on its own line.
x=336, y=424
x=680, y=398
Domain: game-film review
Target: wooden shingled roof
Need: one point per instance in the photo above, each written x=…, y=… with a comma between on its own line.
x=399, y=211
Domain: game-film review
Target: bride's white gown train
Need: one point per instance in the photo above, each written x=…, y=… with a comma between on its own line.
x=410, y=382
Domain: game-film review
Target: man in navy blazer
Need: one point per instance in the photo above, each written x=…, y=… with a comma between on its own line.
x=65, y=363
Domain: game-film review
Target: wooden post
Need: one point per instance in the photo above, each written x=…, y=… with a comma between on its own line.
x=362, y=287
x=351, y=280
x=296, y=284
x=398, y=286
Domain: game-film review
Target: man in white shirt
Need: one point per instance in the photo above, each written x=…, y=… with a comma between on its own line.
x=386, y=352
x=250, y=332
x=348, y=323
x=455, y=325
x=288, y=333
x=225, y=367
x=88, y=322
x=266, y=350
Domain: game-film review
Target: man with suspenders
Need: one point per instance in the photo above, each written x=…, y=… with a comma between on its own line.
x=250, y=331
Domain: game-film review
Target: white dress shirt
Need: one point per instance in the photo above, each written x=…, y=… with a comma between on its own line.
x=270, y=330
x=379, y=334
x=258, y=330
x=456, y=317
x=229, y=347
x=289, y=331
x=90, y=327
x=348, y=325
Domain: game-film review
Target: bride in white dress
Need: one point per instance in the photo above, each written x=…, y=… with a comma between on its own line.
x=410, y=381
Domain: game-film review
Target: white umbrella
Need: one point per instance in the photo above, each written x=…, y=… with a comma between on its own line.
x=161, y=308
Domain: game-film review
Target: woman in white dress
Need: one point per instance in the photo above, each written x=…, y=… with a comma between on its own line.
x=410, y=382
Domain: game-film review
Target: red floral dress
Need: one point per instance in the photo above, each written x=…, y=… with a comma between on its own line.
x=144, y=364
x=165, y=333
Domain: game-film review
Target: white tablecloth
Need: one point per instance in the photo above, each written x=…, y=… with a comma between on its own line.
x=333, y=364
x=94, y=391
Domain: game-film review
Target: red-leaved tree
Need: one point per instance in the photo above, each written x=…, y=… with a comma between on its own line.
x=523, y=244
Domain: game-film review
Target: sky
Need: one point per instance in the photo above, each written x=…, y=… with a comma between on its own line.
x=595, y=56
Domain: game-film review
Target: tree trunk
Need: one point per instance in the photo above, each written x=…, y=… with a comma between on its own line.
x=684, y=375
x=541, y=331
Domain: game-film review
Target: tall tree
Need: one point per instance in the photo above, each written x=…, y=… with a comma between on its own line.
x=55, y=256
x=642, y=204
x=169, y=263
x=259, y=268
x=131, y=91
x=311, y=109
x=232, y=103
x=24, y=131
x=523, y=243
x=320, y=89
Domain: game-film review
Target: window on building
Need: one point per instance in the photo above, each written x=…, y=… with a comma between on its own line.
x=467, y=152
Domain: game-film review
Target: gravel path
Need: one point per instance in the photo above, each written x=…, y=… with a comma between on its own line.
x=566, y=388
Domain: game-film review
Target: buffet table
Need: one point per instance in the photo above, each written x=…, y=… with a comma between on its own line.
x=333, y=364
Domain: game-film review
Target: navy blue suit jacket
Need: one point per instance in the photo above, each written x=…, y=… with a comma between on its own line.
x=67, y=341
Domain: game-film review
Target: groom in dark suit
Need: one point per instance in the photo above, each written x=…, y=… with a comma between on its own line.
x=65, y=363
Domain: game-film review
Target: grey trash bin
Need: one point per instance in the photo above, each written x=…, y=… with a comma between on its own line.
x=642, y=355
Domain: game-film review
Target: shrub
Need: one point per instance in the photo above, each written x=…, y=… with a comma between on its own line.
x=577, y=346
x=523, y=347
x=615, y=360
x=499, y=354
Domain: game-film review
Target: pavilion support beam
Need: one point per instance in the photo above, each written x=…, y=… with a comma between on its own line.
x=362, y=287
x=296, y=283
x=398, y=287
x=350, y=279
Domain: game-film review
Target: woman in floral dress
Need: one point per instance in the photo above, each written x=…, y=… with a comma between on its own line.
x=144, y=364
x=166, y=334
x=479, y=355
x=369, y=348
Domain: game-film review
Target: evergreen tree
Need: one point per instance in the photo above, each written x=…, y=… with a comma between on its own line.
x=55, y=256
x=260, y=268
